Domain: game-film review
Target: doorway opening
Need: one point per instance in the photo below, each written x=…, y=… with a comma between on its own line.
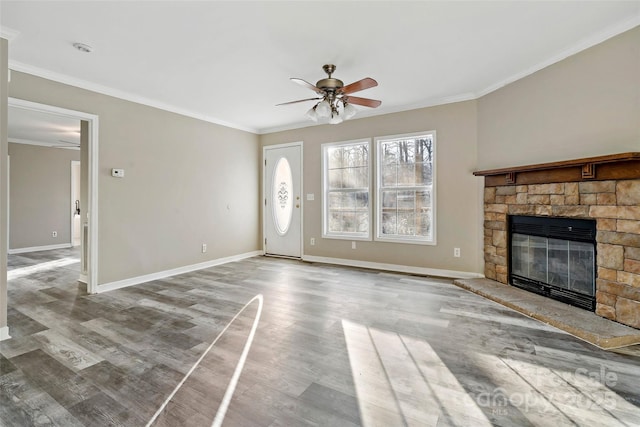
x=89, y=157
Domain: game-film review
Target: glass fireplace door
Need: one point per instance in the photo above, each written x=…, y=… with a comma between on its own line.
x=562, y=263
x=554, y=257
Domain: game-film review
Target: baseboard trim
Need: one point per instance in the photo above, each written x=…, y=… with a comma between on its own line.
x=4, y=333
x=39, y=248
x=423, y=271
x=173, y=272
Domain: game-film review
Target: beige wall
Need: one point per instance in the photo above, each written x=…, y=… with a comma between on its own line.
x=180, y=176
x=585, y=105
x=458, y=206
x=39, y=195
x=181, y=173
x=4, y=46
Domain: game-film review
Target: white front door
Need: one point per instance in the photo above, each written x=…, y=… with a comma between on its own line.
x=283, y=201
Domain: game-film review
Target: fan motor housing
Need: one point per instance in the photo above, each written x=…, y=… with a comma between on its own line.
x=330, y=84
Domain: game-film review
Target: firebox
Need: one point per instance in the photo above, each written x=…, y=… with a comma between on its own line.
x=554, y=257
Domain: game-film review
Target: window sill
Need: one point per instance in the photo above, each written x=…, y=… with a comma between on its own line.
x=405, y=241
x=347, y=237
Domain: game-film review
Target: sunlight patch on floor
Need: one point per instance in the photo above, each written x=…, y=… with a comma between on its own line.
x=32, y=269
x=401, y=381
x=582, y=396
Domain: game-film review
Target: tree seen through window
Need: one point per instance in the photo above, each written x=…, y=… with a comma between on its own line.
x=347, y=189
x=405, y=168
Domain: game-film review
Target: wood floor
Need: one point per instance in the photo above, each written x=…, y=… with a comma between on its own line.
x=334, y=347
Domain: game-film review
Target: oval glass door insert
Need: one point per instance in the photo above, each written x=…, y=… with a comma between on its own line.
x=282, y=196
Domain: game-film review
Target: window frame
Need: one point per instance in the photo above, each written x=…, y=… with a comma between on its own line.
x=326, y=234
x=378, y=141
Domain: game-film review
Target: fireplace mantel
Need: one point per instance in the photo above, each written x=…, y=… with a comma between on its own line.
x=605, y=189
x=612, y=166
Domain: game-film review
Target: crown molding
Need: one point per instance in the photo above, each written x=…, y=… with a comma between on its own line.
x=468, y=96
x=43, y=143
x=584, y=44
x=25, y=141
x=8, y=33
x=116, y=93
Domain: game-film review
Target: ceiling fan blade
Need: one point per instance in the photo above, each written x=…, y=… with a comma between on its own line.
x=300, y=100
x=306, y=84
x=366, y=102
x=363, y=84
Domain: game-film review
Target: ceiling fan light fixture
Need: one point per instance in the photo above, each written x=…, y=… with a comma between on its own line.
x=335, y=118
x=349, y=111
x=336, y=100
x=323, y=109
x=312, y=113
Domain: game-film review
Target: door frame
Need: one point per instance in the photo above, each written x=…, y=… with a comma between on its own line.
x=92, y=189
x=263, y=201
x=8, y=202
x=74, y=197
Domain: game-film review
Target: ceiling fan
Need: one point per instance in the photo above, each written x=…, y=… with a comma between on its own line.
x=336, y=104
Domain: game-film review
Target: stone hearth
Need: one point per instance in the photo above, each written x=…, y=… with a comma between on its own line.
x=606, y=189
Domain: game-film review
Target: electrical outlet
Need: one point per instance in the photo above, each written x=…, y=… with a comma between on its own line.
x=353, y=245
x=313, y=241
x=118, y=173
x=54, y=234
x=456, y=252
x=204, y=247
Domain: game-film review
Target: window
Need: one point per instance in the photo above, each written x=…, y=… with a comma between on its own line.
x=346, y=181
x=282, y=203
x=405, y=190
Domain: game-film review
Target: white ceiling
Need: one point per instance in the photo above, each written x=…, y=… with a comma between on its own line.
x=230, y=62
x=38, y=128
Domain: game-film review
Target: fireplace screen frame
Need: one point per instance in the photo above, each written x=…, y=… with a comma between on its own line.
x=555, y=230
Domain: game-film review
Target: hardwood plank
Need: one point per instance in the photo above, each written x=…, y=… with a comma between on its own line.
x=66, y=351
x=440, y=355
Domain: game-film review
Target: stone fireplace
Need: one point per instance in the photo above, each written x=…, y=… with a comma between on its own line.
x=605, y=189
